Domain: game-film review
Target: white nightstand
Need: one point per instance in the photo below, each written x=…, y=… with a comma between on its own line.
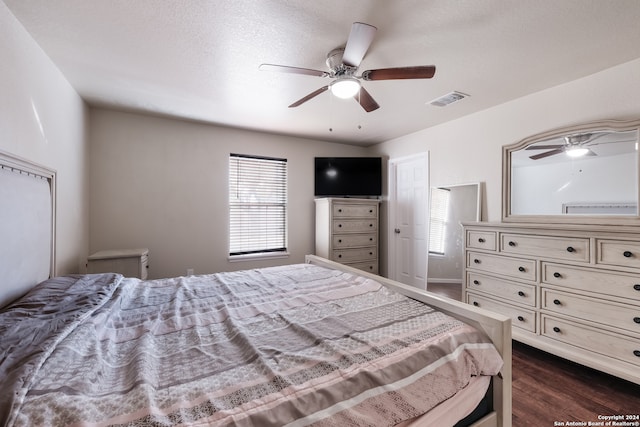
x=128, y=262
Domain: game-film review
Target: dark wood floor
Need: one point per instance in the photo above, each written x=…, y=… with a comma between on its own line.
x=549, y=390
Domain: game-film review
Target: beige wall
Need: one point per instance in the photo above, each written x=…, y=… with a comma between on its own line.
x=470, y=149
x=162, y=183
x=174, y=172
x=43, y=119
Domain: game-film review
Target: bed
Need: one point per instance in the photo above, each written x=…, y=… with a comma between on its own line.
x=316, y=343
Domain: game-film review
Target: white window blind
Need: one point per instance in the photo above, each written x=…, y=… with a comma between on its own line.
x=257, y=205
x=438, y=220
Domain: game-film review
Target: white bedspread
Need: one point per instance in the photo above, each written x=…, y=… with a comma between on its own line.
x=297, y=345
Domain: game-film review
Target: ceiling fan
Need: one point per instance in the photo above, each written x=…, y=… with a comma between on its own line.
x=343, y=63
x=574, y=146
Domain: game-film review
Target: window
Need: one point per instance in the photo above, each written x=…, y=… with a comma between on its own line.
x=438, y=220
x=257, y=205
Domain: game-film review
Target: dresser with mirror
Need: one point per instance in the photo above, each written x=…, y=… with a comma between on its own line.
x=564, y=262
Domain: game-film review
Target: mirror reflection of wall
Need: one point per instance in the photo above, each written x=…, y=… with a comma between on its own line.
x=546, y=179
x=450, y=206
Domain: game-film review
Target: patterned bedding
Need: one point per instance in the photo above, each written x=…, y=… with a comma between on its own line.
x=296, y=345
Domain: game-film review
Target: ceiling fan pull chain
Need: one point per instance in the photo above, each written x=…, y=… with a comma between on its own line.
x=331, y=114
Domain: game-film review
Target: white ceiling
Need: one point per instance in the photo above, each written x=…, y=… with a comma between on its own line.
x=198, y=59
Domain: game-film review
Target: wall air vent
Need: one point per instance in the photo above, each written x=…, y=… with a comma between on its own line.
x=449, y=98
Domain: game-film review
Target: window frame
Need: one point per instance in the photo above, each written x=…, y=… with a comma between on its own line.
x=272, y=203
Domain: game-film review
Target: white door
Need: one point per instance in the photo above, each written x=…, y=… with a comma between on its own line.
x=409, y=219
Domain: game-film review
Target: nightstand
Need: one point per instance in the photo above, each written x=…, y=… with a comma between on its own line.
x=128, y=262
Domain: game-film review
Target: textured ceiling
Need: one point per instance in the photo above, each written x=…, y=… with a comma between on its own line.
x=198, y=59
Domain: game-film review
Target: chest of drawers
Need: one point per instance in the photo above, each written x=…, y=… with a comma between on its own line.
x=572, y=291
x=347, y=231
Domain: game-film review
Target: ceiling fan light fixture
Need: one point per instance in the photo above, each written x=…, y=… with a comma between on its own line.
x=576, y=151
x=345, y=87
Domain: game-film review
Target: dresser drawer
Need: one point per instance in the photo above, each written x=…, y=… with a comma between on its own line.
x=591, y=339
x=524, y=269
x=608, y=313
x=144, y=267
x=604, y=282
x=369, y=266
x=566, y=248
x=481, y=240
x=520, y=318
x=616, y=252
x=505, y=289
x=354, y=225
x=359, y=254
x=341, y=241
x=342, y=210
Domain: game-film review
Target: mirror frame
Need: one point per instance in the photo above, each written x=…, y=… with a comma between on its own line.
x=603, y=125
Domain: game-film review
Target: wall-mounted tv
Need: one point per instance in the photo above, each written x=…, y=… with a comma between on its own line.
x=348, y=176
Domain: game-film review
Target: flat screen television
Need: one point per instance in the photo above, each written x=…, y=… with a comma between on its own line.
x=348, y=176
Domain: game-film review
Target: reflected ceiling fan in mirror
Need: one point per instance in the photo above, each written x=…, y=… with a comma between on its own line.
x=574, y=146
x=343, y=64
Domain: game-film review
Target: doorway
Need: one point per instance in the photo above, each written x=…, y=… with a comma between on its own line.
x=409, y=219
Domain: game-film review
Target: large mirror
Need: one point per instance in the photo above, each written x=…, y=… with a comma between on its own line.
x=586, y=174
x=451, y=205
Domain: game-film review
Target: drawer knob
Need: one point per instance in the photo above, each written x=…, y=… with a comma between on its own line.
x=481, y=240
x=476, y=304
x=476, y=261
x=339, y=240
x=371, y=239
x=370, y=225
x=522, y=269
x=340, y=256
x=339, y=225
x=627, y=254
x=636, y=352
x=370, y=253
x=556, y=329
x=521, y=293
x=339, y=210
x=557, y=302
x=636, y=319
x=520, y=318
x=370, y=210
x=476, y=282
x=512, y=243
x=557, y=275
x=570, y=249
x=636, y=287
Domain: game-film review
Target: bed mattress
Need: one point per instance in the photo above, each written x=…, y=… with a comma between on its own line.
x=294, y=345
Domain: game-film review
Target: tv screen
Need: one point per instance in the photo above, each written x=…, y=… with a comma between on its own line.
x=348, y=176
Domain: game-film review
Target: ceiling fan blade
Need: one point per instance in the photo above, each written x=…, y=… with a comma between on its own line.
x=544, y=147
x=365, y=99
x=292, y=70
x=308, y=97
x=417, y=72
x=546, y=154
x=358, y=43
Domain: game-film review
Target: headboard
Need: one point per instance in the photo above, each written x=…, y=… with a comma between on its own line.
x=27, y=225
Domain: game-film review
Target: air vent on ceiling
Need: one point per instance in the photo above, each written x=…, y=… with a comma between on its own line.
x=449, y=98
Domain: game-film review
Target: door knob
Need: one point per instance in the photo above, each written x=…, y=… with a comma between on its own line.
x=397, y=231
